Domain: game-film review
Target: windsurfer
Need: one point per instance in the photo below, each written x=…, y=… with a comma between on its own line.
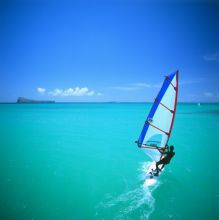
x=169, y=153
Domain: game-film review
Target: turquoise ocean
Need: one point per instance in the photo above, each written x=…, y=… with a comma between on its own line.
x=68, y=161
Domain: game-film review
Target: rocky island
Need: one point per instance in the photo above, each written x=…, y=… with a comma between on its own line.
x=25, y=100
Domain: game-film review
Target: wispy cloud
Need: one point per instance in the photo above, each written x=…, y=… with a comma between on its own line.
x=41, y=90
x=212, y=57
x=208, y=94
x=125, y=88
x=136, y=86
x=205, y=96
x=147, y=85
x=190, y=82
x=140, y=86
x=211, y=95
x=77, y=91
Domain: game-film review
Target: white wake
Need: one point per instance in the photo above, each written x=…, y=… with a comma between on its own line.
x=137, y=203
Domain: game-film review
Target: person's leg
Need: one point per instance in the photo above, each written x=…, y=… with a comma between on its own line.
x=157, y=164
x=162, y=167
x=157, y=168
x=163, y=164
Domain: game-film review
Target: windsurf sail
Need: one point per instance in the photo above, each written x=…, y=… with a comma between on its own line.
x=159, y=123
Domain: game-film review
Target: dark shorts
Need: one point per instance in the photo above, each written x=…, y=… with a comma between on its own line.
x=164, y=161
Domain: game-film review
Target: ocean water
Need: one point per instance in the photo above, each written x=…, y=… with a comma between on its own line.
x=79, y=161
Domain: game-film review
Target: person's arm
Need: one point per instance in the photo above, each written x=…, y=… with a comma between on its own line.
x=162, y=151
x=167, y=149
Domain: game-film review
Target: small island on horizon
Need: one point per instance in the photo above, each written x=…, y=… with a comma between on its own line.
x=25, y=100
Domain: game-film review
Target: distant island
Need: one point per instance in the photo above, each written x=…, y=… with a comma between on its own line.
x=25, y=100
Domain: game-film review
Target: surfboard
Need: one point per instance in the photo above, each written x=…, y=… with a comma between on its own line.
x=150, y=177
x=158, y=125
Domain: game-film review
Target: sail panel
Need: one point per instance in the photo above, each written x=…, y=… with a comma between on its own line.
x=153, y=154
x=169, y=97
x=158, y=125
x=162, y=119
x=153, y=137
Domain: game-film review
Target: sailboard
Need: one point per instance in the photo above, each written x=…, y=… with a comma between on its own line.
x=157, y=128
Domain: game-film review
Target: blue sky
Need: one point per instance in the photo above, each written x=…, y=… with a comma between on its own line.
x=108, y=50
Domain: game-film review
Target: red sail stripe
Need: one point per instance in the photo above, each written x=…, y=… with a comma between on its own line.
x=158, y=128
x=168, y=79
x=156, y=100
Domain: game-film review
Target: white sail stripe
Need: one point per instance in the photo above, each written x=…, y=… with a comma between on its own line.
x=152, y=153
x=160, y=103
x=162, y=119
x=174, y=81
x=159, y=129
x=169, y=98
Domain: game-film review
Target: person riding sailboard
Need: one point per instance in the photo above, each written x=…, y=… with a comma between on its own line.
x=159, y=123
x=169, y=154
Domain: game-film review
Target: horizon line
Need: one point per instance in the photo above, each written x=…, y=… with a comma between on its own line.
x=110, y=102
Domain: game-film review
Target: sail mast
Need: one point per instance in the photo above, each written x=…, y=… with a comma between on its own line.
x=176, y=99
